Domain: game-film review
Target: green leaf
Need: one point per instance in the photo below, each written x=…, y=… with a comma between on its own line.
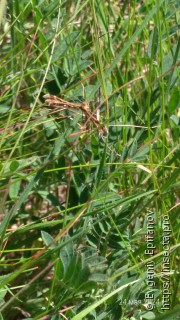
x=174, y=102
x=98, y=277
x=4, y=109
x=83, y=276
x=100, y=169
x=153, y=43
x=140, y=154
x=14, y=165
x=14, y=188
x=75, y=261
x=66, y=254
x=59, y=270
x=133, y=148
x=175, y=119
x=3, y=292
x=77, y=271
x=48, y=239
x=1, y=317
x=148, y=315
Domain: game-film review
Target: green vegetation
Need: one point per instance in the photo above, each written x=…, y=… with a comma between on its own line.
x=89, y=198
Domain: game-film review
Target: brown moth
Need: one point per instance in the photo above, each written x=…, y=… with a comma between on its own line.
x=54, y=101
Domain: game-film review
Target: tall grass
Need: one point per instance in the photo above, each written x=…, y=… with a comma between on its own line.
x=89, y=217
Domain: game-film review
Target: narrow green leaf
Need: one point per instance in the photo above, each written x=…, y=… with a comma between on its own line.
x=101, y=167
x=153, y=43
